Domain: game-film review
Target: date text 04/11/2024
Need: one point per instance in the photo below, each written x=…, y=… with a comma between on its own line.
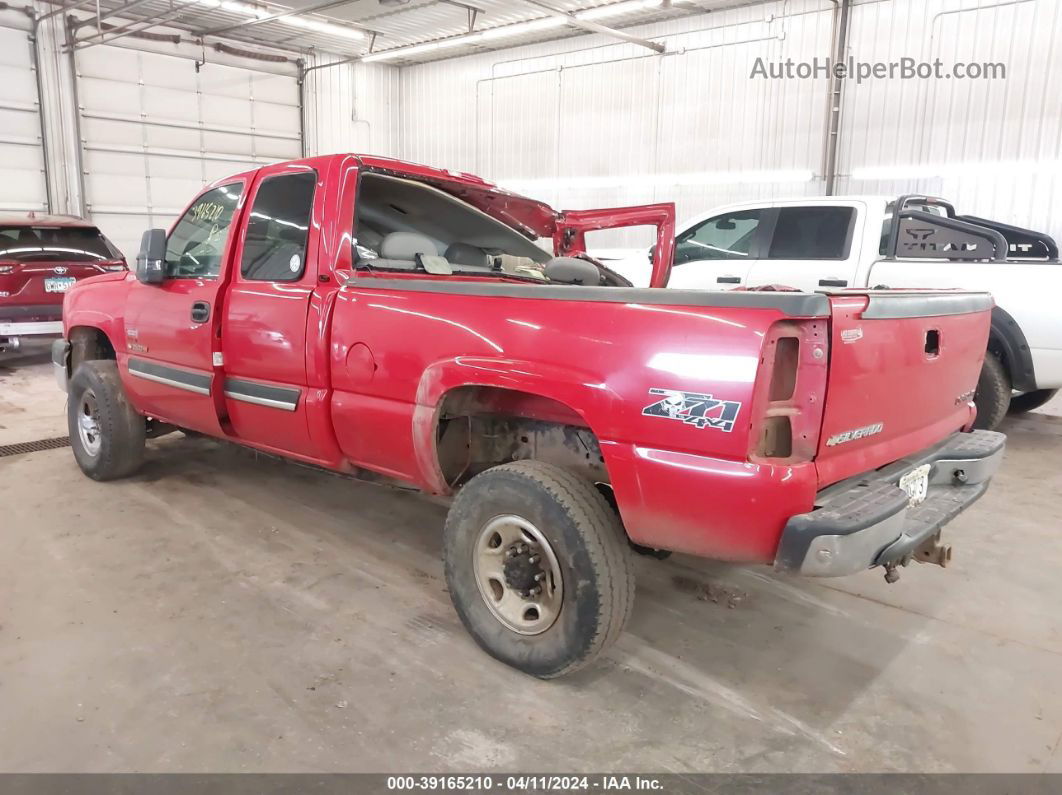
x=523, y=783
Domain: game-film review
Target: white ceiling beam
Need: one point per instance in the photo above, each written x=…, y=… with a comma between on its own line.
x=596, y=27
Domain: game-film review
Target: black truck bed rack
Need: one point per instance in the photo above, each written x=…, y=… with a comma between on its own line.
x=919, y=233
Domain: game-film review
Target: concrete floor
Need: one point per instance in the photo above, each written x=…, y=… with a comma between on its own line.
x=225, y=612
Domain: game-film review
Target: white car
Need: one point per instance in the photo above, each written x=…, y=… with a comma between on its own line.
x=834, y=242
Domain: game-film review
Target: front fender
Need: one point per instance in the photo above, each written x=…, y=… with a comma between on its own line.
x=98, y=303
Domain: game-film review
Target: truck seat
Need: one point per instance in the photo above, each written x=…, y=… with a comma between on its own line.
x=399, y=250
x=465, y=255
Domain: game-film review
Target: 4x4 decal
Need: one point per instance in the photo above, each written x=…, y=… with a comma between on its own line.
x=693, y=408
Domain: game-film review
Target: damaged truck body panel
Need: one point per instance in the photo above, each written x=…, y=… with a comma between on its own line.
x=395, y=321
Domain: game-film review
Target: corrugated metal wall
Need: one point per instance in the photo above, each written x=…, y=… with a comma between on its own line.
x=993, y=146
x=589, y=122
x=351, y=108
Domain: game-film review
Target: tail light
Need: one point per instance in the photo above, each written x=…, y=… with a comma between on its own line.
x=113, y=265
x=788, y=398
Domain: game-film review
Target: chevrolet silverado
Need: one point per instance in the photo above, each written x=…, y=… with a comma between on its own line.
x=389, y=320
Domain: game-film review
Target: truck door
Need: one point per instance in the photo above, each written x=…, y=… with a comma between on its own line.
x=169, y=327
x=809, y=247
x=263, y=332
x=569, y=236
x=717, y=253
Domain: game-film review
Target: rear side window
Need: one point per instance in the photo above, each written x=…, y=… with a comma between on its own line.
x=812, y=233
x=197, y=243
x=55, y=244
x=727, y=236
x=274, y=249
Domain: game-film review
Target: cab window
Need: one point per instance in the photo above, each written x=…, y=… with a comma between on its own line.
x=197, y=244
x=812, y=233
x=727, y=236
x=274, y=249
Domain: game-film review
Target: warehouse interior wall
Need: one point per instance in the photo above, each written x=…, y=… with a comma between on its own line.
x=593, y=122
x=590, y=121
x=351, y=108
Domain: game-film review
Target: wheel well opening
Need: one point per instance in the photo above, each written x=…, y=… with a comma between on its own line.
x=998, y=348
x=481, y=427
x=87, y=344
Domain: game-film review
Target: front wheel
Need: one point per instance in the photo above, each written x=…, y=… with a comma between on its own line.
x=106, y=434
x=1027, y=401
x=992, y=397
x=538, y=567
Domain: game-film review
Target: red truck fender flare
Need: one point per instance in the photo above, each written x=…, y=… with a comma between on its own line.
x=97, y=305
x=583, y=393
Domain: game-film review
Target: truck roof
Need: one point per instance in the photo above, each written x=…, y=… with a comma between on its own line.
x=865, y=198
x=533, y=216
x=39, y=219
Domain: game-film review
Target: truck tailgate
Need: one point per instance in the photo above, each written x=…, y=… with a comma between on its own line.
x=903, y=369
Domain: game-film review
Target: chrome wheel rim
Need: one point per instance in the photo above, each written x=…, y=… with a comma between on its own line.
x=518, y=575
x=88, y=423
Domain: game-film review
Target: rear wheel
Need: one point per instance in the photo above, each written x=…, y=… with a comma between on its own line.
x=1028, y=401
x=106, y=434
x=538, y=567
x=992, y=397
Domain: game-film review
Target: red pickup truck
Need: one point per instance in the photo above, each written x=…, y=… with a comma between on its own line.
x=385, y=319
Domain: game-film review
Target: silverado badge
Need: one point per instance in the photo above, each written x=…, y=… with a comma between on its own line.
x=855, y=433
x=693, y=408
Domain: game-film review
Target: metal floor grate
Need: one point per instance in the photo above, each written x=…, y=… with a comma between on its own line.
x=34, y=447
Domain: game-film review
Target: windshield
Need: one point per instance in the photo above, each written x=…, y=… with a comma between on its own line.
x=55, y=244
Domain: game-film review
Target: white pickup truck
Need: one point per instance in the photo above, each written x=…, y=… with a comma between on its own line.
x=834, y=242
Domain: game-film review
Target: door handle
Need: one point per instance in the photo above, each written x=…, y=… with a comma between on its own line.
x=833, y=282
x=200, y=312
x=729, y=279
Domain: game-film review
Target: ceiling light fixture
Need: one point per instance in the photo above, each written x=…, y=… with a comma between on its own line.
x=516, y=29
x=306, y=23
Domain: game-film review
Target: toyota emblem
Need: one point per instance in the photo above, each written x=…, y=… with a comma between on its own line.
x=59, y=269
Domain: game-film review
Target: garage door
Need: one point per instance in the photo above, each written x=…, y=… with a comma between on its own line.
x=22, y=187
x=154, y=130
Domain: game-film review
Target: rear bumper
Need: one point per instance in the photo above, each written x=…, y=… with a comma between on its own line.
x=867, y=521
x=49, y=327
x=24, y=313
x=32, y=319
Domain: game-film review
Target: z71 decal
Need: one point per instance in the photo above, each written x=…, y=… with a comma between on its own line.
x=693, y=408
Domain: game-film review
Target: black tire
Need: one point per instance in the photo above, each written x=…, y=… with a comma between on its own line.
x=992, y=397
x=1028, y=401
x=590, y=548
x=116, y=450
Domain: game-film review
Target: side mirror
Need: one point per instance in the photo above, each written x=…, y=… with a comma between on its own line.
x=151, y=259
x=652, y=254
